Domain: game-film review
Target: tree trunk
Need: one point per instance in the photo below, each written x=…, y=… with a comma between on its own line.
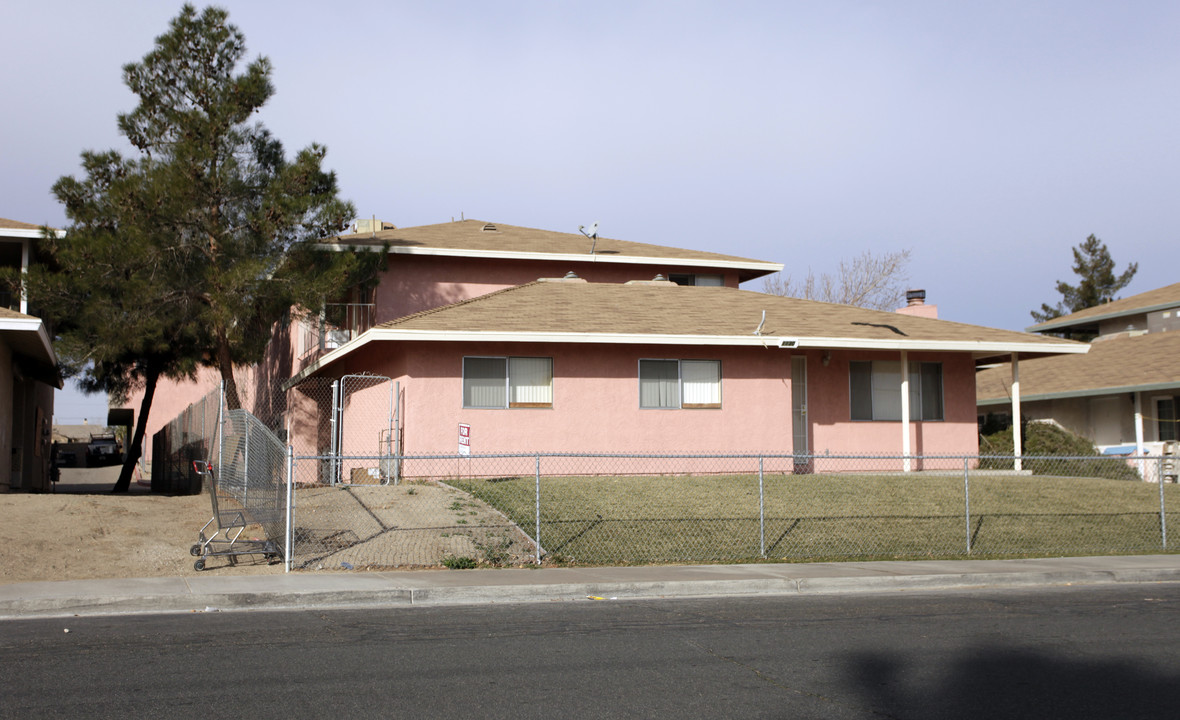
x=225, y=365
x=135, y=448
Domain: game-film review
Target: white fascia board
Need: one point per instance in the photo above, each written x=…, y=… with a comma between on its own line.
x=729, y=340
x=31, y=324
x=768, y=267
x=28, y=323
x=971, y=346
x=1092, y=392
x=766, y=341
x=25, y=233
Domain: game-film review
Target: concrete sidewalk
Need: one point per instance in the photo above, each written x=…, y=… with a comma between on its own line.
x=303, y=590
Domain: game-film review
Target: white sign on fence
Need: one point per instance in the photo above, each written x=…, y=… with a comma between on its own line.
x=464, y=439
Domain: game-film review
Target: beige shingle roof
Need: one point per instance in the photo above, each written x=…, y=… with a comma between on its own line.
x=611, y=313
x=16, y=225
x=469, y=236
x=660, y=310
x=6, y=313
x=1121, y=364
x=1166, y=296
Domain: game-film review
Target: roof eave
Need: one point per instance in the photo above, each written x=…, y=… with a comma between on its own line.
x=976, y=349
x=24, y=233
x=1065, y=324
x=756, y=268
x=30, y=338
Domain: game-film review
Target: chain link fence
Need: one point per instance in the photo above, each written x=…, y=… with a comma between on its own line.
x=190, y=436
x=343, y=496
x=496, y=510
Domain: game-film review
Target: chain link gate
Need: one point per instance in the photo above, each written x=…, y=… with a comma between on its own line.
x=362, y=430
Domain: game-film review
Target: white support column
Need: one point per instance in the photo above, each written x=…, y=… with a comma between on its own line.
x=905, y=409
x=1139, y=432
x=1016, y=439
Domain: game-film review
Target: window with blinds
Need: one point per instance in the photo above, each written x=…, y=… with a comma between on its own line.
x=875, y=390
x=503, y=382
x=670, y=384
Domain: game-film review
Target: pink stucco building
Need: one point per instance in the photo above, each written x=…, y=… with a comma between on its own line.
x=28, y=374
x=563, y=365
x=537, y=344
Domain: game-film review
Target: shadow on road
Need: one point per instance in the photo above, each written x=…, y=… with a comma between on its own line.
x=997, y=682
x=95, y=480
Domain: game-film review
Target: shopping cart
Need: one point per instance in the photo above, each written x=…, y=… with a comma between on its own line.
x=222, y=535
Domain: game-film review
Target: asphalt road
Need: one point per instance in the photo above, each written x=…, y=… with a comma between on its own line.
x=1063, y=653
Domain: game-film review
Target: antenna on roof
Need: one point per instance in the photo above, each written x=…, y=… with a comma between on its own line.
x=592, y=233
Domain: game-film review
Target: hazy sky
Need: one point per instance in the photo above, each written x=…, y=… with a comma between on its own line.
x=988, y=138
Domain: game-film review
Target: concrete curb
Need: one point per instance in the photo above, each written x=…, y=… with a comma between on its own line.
x=438, y=589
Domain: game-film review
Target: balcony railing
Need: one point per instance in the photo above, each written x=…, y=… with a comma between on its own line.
x=338, y=324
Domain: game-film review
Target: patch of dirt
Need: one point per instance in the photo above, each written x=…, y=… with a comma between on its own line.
x=82, y=531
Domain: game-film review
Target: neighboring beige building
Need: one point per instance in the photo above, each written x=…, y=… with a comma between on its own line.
x=28, y=375
x=1124, y=395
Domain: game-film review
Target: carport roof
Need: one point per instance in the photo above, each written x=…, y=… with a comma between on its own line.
x=1118, y=365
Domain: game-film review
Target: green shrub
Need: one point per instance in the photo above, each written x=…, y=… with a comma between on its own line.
x=461, y=562
x=1042, y=444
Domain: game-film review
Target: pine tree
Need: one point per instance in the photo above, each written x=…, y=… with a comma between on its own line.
x=192, y=252
x=110, y=289
x=245, y=216
x=1093, y=264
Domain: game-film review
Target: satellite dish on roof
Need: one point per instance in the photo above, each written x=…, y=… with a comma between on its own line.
x=590, y=232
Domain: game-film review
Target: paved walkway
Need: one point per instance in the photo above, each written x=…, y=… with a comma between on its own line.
x=303, y=590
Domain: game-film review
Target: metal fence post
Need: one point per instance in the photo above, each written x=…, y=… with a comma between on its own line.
x=289, y=536
x=334, y=425
x=537, y=501
x=967, y=499
x=386, y=477
x=220, y=428
x=761, y=512
x=395, y=441
x=1163, y=513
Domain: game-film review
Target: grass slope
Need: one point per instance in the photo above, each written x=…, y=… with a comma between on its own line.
x=655, y=519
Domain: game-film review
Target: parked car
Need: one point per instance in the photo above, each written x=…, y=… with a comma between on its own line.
x=63, y=457
x=103, y=449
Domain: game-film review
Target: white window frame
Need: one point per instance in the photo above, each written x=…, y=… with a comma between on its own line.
x=713, y=388
x=885, y=391
x=510, y=389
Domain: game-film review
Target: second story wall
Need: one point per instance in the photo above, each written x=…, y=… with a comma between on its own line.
x=413, y=283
